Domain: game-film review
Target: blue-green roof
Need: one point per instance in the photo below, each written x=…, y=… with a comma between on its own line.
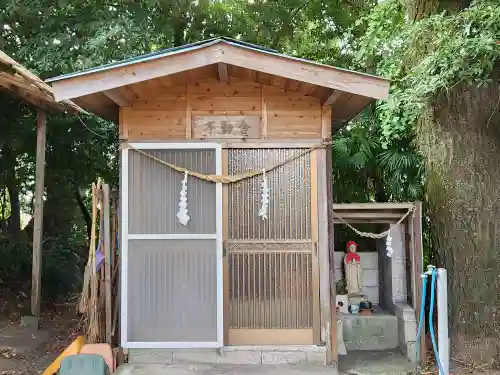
x=188, y=47
x=160, y=54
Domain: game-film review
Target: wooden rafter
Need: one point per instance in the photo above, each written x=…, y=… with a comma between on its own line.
x=118, y=97
x=370, y=212
x=222, y=71
x=25, y=85
x=332, y=98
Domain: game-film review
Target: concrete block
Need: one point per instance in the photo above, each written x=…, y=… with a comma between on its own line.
x=370, y=277
x=150, y=356
x=398, y=288
x=316, y=357
x=369, y=260
x=283, y=358
x=240, y=357
x=375, y=332
x=194, y=356
x=410, y=331
x=411, y=351
x=370, y=343
x=372, y=294
x=401, y=333
x=405, y=312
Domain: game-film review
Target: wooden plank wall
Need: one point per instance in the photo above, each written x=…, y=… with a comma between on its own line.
x=166, y=113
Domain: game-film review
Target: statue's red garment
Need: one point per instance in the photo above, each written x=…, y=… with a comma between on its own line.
x=350, y=255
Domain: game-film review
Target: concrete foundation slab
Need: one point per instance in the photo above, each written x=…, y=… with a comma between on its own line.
x=234, y=355
x=150, y=356
x=374, y=363
x=283, y=358
x=130, y=369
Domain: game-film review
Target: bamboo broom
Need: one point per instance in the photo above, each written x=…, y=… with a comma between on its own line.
x=84, y=298
x=92, y=334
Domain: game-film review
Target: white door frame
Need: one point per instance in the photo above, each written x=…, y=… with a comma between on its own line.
x=125, y=237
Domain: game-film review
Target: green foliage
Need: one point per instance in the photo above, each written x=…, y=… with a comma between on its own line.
x=61, y=265
x=365, y=171
x=375, y=158
x=427, y=58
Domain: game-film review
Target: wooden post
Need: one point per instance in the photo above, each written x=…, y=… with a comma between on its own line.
x=225, y=237
x=327, y=324
x=36, y=277
x=316, y=308
x=331, y=251
x=107, y=261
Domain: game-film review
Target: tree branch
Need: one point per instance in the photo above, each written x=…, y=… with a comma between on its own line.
x=84, y=210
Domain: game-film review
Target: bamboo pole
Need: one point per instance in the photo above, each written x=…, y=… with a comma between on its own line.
x=107, y=261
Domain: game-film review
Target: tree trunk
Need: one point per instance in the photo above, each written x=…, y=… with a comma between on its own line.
x=85, y=212
x=15, y=207
x=460, y=139
x=420, y=9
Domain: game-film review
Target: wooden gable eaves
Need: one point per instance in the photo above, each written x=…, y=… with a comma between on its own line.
x=219, y=52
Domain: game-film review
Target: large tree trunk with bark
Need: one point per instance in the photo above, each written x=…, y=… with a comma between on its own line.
x=460, y=138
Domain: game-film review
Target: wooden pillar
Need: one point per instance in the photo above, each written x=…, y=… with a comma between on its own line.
x=324, y=258
x=325, y=197
x=36, y=276
x=331, y=250
x=415, y=223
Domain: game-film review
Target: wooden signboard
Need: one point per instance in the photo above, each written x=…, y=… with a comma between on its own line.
x=226, y=127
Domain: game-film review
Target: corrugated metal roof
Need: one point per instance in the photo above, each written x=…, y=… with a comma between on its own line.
x=190, y=47
x=161, y=53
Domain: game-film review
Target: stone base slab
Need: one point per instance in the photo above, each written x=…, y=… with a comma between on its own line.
x=235, y=355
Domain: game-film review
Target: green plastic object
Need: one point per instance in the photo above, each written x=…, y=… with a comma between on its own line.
x=83, y=364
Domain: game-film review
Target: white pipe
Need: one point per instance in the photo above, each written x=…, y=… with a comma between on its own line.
x=442, y=311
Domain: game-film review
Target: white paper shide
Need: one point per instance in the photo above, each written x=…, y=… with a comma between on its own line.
x=182, y=214
x=264, y=202
x=388, y=245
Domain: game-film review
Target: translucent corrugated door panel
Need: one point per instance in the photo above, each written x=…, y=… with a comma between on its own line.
x=270, y=261
x=172, y=291
x=172, y=283
x=154, y=190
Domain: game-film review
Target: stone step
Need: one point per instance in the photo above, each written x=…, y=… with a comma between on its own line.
x=219, y=369
x=235, y=355
x=370, y=332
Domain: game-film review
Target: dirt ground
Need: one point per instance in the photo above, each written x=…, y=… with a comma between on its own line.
x=24, y=351
x=27, y=352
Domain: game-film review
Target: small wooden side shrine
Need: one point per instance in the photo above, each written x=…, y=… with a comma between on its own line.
x=224, y=191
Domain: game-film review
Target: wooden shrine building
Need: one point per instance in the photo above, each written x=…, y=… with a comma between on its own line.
x=209, y=256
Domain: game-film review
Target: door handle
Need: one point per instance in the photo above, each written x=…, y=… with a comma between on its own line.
x=315, y=248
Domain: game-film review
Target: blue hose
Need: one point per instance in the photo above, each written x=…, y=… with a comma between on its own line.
x=421, y=318
x=431, y=324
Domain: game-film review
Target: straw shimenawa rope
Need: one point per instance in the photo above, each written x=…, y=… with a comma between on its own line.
x=375, y=235
x=230, y=179
x=235, y=178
